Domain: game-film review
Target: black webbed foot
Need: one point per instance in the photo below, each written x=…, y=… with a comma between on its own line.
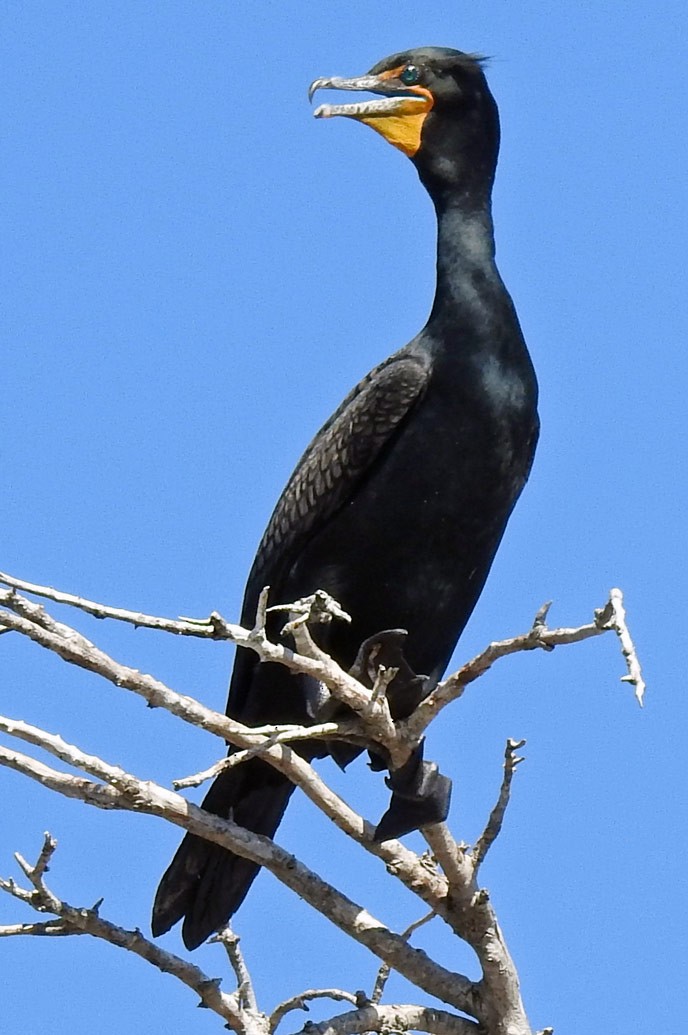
x=420, y=796
x=404, y=693
x=386, y=648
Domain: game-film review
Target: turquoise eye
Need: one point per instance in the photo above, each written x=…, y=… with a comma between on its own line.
x=410, y=75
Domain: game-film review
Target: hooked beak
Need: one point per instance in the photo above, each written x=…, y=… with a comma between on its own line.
x=398, y=99
x=398, y=116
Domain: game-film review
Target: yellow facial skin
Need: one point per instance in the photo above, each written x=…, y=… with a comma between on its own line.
x=403, y=128
x=398, y=117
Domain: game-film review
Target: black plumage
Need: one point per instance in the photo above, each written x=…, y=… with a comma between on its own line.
x=399, y=503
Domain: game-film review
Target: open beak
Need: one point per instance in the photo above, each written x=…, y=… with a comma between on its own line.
x=398, y=99
x=398, y=115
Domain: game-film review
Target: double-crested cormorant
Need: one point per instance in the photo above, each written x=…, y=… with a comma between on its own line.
x=399, y=503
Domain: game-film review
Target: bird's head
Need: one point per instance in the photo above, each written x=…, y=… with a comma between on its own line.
x=436, y=107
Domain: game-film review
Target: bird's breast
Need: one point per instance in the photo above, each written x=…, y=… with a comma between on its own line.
x=412, y=546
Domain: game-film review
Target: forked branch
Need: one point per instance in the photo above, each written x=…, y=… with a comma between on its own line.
x=79, y=920
x=452, y=894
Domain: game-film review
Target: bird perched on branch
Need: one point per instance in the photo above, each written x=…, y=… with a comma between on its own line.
x=399, y=503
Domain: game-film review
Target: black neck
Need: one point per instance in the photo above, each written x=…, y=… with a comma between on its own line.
x=466, y=270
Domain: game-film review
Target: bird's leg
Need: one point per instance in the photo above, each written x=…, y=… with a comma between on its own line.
x=420, y=794
x=381, y=653
x=420, y=797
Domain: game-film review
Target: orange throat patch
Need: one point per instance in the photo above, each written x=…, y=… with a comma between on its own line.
x=402, y=131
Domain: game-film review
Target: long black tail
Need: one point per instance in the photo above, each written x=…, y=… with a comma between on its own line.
x=205, y=883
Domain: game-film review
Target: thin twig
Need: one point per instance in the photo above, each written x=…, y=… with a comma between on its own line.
x=635, y=676
x=181, y=627
x=494, y=823
x=245, y=990
x=230, y=762
x=87, y=921
x=51, y=928
x=348, y=731
x=384, y=971
x=300, y=1002
x=36, y=872
x=611, y=617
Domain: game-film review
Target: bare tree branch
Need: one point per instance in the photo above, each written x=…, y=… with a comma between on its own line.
x=32, y=620
x=300, y=1002
x=180, y=627
x=78, y=650
x=610, y=617
x=281, y=735
x=77, y=920
x=39, y=626
x=215, y=627
x=451, y=856
x=494, y=823
x=148, y=798
x=51, y=928
x=618, y=624
x=69, y=786
x=384, y=971
x=474, y=920
x=395, y=1018
x=453, y=894
x=246, y=993
x=400, y=861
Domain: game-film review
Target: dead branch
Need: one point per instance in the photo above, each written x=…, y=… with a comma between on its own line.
x=494, y=823
x=150, y=799
x=76, y=649
x=180, y=627
x=282, y=735
x=245, y=991
x=454, y=895
x=473, y=919
x=51, y=928
x=79, y=920
x=392, y=1019
x=609, y=618
x=301, y=1001
x=618, y=624
x=400, y=861
x=32, y=620
x=384, y=971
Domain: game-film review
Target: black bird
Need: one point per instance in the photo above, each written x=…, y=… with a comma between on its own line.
x=399, y=503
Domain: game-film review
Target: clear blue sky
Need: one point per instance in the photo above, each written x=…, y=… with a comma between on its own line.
x=194, y=273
